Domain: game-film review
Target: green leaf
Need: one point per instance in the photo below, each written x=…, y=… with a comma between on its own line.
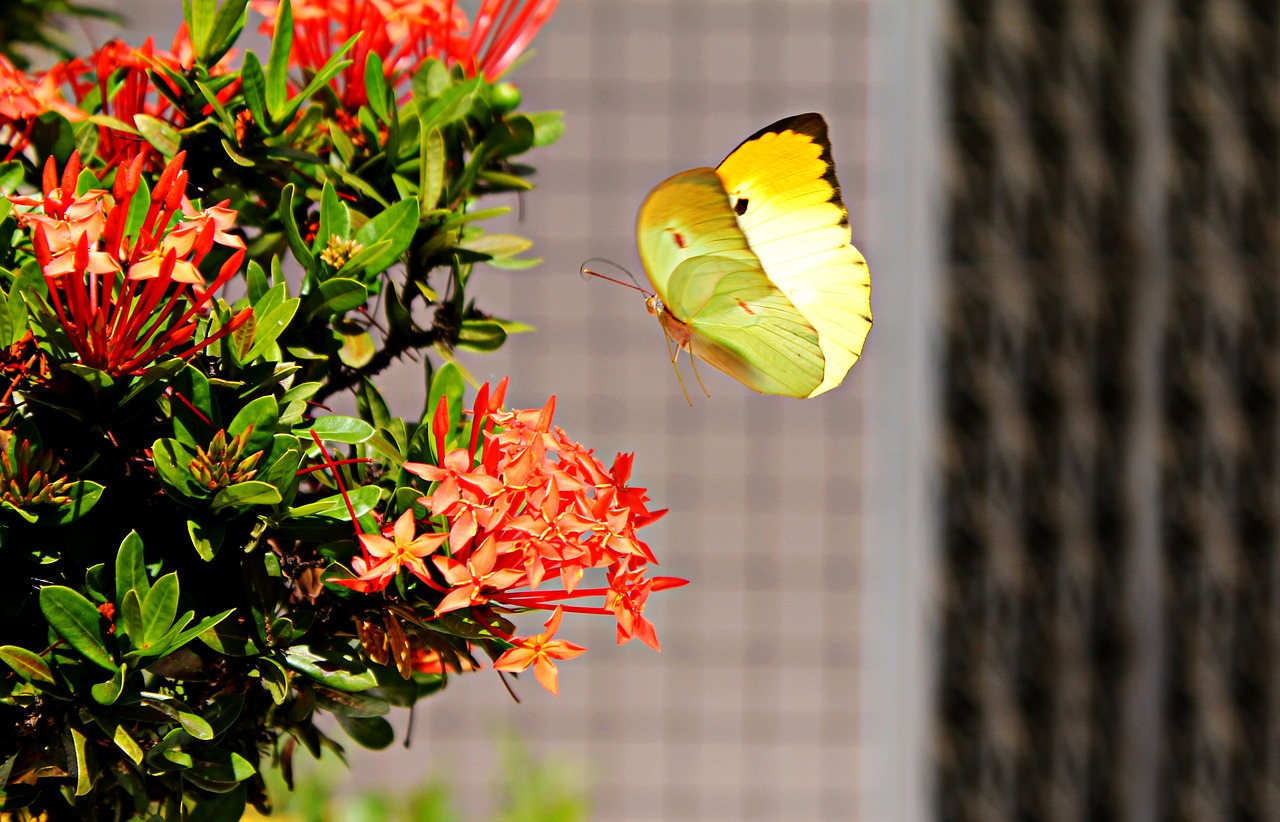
x=336, y=297
x=227, y=26
x=199, y=15
x=83, y=767
x=375, y=84
x=374, y=732
x=397, y=224
x=357, y=346
x=129, y=620
x=218, y=765
x=481, y=335
x=301, y=251
x=274, y=678
x=363, y=499
x=195, y=726
x=447, y=382
x=231, y=639
x=255, y=91
x=262, y=414
x=340, y=667
x=207, y=538
x=270, y=327
x=452, y=105
x=338, y=428
x=84, y=495
x=548, y=126
x=278, y=61
x=127, y=744
x=159, y=133
x=498, y=245
x=201, y=628
x=499, y=181
x=76, y=620
x=372, y=406
x=159, y=607
x=106, y=693
x=27, y=664
x=327, y=72
x=246, y=493
x=171, y=460
x=335, y=218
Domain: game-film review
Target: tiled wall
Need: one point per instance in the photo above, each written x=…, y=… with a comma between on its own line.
x=749, y=711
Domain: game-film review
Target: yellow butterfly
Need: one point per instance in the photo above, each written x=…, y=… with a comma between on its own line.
x=752, y=263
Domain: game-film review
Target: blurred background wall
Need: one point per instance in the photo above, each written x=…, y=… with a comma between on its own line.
x=1023, y=565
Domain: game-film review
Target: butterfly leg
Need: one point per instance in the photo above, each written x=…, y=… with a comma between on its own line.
x=674, y=351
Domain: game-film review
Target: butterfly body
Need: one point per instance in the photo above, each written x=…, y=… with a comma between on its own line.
x=752, y=264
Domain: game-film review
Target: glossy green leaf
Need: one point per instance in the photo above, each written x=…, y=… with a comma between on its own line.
x=374, y=733
x=340, y=668
x=338, y=428
x=227, y=25
x=159, y=607
x=363, y=500
x=358, y=348
x=158, y=133
x=262, y=415
x=206, y=538
x=76, y=620
x=26, y=664
x=336, y=297
x=106, y=693
x=548, y=126
x=335, y=218
x=82, y=764
x=127, y=744
x=270, y=327
x=375, y=84
x=301, y=251
x=397, y=224
x=251, y=492
x=278, y=61
x=431, y=164
x=129, y=618
x=481, y=335
x=254, y=84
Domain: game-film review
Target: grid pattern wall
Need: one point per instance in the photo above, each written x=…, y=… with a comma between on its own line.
x=749, y=711
x=1040, y=264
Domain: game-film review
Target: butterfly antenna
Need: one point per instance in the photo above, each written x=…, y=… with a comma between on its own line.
x=586, y=271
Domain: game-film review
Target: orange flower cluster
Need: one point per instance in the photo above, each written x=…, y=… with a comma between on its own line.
x=405, y=34
x=125, y=284
x=522, y=503
x=23, y=98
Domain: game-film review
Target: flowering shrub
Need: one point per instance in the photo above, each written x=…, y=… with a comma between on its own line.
x=197, y=249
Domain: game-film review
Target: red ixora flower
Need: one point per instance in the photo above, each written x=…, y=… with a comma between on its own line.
x=538, y=650
x=128, y=295
x=23, y=98
x=405, y=34
x=514, y=505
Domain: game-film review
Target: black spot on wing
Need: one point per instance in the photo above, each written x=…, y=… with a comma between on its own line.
x=813, y=125
x=740, y=206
